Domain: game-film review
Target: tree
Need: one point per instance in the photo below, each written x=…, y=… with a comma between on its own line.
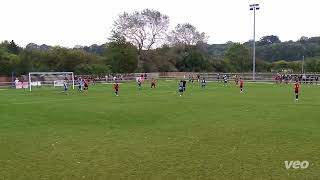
x=161, y=59
x=194, y=60
x=313, y=65
x=92, y=69
x=122, y=56
x=186, y=34
x=8, y=62
x=26, y=58
x=303, y=39
x=262, y=66
x=238, y=55
x=143, y=29
x=266, y=40
x=11, y=47
x=69, y=59
x=285, y=65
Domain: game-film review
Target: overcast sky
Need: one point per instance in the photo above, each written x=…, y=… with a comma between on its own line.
x=85, y=22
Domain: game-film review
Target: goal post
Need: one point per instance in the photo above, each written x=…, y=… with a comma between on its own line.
x=50, y=78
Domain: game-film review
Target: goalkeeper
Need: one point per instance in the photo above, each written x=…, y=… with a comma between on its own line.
x=65, y=87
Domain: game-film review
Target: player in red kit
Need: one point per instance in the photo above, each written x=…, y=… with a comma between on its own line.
x=86, y=84
x=241, y=85
x=116, y=88
x=296, y=89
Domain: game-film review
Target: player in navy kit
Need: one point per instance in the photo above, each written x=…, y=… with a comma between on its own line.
x=181, y=88
x=203, y=83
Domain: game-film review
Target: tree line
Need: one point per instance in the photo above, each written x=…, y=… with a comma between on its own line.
x=142, y=42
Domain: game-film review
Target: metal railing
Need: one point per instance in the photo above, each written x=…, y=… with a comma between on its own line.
x=211, y=76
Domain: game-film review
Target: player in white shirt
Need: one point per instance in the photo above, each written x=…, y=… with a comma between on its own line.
x=225, y=80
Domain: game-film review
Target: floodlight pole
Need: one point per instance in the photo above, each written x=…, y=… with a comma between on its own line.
x=72, y=80
x=254, y=46
x=254, y=7
x=30, y=82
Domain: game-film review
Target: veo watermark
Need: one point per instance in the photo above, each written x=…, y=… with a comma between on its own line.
x=296, y=164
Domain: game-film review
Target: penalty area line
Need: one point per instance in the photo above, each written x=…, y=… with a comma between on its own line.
x=51, y=100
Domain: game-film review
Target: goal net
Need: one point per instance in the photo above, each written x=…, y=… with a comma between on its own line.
x=50, y=79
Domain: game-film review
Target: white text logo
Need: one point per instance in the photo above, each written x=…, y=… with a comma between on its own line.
x=296, y=164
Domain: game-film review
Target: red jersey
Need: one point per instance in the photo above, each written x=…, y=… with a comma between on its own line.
x=241, y=83
x=116, y=86
x=296, y=87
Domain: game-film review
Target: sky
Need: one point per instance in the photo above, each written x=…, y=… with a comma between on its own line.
x=86, y=22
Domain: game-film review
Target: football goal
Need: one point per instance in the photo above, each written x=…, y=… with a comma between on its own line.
x=50, y=79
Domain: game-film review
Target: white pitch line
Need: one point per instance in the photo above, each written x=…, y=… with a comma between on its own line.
x=260, y=83
x=36, y=102
x=51, y=100
x=110, y=83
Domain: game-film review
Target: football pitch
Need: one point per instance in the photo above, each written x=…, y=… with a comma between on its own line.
x=213, y=133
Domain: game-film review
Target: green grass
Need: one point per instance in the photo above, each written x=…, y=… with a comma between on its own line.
x=216, y=133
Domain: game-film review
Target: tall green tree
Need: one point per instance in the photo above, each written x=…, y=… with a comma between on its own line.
x=266, y=40
x=313, y=65
x=92, y=69
x=186, y=34
x=143, y=29
x=8, y=62
x=194, y=60
x=122, y=56
x=238, y=56
x=162, y=59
